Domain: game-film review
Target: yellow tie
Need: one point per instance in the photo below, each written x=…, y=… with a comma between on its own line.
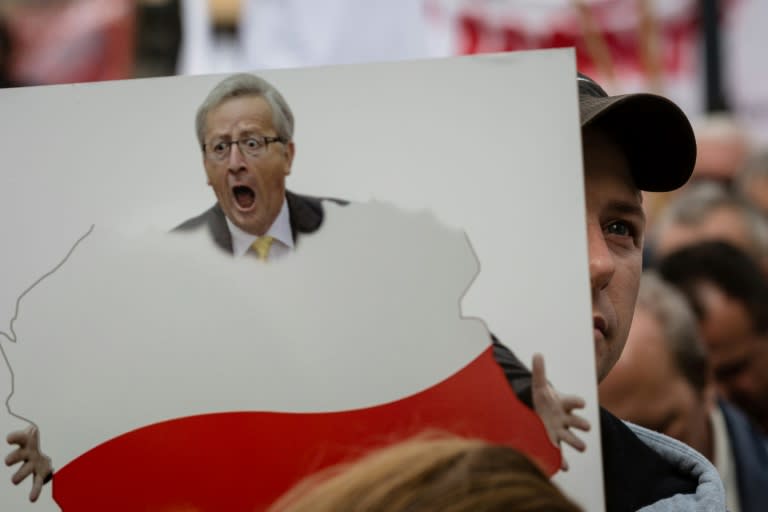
x=262, y=246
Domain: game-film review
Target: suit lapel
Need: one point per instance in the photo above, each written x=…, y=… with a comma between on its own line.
x=217, y=224
x=306, y=214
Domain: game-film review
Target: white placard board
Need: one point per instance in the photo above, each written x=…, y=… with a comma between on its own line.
x=489, y=144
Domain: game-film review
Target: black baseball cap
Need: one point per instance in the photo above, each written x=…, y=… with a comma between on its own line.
x=654, y=133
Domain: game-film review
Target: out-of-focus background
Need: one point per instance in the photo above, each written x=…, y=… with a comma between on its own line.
x=706, y=55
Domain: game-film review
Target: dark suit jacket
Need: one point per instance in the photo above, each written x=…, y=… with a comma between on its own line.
x=750, y=454
x=633, y=474
x=306, y=214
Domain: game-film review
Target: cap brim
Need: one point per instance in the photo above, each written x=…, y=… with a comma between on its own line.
x=655, y=134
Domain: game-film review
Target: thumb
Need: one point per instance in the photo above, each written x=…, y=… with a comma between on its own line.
x=539, y=378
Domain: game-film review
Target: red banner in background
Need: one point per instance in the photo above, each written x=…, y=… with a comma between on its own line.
x=616, y=22
x=628, y=44
x=71, y=41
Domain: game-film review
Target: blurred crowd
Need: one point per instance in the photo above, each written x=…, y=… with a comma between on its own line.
x=695, y=366
x=696, y=362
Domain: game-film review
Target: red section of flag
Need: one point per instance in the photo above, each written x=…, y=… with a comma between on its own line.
x=243, y=461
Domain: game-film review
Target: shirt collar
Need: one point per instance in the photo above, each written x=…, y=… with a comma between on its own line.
x=280, y=230
x=724, y=461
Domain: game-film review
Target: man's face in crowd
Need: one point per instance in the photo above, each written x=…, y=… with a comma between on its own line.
x=615, y=224
x=645, y=387
x=756, y=191
x=249, y=189
x=738, y=354
x=724, y=223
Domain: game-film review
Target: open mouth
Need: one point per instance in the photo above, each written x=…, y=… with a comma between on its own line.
x=245, y=197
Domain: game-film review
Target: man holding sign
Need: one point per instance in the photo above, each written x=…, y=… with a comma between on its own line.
x=631, y=143
x=622, y=140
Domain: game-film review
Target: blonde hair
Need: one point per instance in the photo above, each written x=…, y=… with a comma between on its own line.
x=446, y=474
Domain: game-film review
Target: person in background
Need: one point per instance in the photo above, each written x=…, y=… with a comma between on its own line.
x=724, y=147
x=729, y=294
x=662, y=382
x=752, y=181
x=709, y=211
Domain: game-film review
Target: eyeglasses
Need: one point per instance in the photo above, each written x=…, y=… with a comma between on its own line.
x=252, y=146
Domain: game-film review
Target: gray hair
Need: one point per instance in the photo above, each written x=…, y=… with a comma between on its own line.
x=244, y=84
x=678, y=323
x=699, y=199
x=756, y=167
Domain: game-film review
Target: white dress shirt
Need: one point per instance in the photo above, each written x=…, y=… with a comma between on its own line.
x=280, y=230
x=724, y=462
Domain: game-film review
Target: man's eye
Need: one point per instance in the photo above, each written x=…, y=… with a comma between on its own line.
x=252, y=144
x=620, y=228
x=220, y=147
x=731, y=370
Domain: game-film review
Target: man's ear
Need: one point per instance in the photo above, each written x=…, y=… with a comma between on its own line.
x=290, y=152
x=207, y=175
x=205, y=168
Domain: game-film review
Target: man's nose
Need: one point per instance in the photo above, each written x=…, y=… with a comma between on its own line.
x=236, y=159
x=601, y=262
